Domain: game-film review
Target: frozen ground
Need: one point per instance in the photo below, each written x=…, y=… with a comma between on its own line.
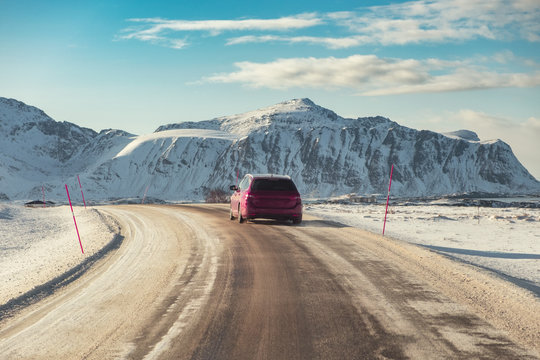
x=40, y=244
x=506, y=240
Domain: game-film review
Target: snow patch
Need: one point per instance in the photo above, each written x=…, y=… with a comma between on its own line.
x=463, y=134
x=40, y=244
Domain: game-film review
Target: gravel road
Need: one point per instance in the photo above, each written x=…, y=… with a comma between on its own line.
x=188, y=283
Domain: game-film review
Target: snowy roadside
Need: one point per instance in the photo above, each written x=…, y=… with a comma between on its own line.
x=504, y=240
x=40, y=244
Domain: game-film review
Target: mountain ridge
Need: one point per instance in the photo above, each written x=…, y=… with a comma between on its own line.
x=325, y=154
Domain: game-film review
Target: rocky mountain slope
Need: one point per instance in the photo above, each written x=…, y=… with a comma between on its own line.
x=324, y=153
x=37, y=151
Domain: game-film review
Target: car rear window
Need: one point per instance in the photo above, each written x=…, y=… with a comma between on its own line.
x=273, y=185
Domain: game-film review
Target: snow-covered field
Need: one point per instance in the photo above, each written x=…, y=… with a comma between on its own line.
x=40, y=244
x=506, y=240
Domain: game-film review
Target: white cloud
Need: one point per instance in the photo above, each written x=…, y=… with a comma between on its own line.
x=534, y=124
x=355, y=71
x=419, y=21
x=476, y=119
x=370, y=75
x=329, y=42
x=152, y=29
x=461, y=79
x=178, y=43
x=173, y=43
x=447, y=20
x=504, y=57
x=284, y=23
x=424, y=21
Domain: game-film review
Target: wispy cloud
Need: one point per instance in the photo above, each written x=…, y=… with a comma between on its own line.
x=158, y=30
x=432, y=21
x=171, y=42
x=424, y=21
x=157, y=25
x=462, y=79
x=329, y=42
x=370, y=75
x=447, y=20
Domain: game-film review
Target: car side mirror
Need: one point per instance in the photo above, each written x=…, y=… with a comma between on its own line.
x=233, y=187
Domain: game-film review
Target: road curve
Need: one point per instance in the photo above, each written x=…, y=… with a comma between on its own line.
x=187, y=283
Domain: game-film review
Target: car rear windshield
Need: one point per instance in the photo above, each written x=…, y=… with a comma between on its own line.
x=273, y=185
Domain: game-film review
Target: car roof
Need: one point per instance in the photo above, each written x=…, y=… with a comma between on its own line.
x=270, y=176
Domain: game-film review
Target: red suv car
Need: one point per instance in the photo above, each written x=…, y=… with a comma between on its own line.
x=266, y=196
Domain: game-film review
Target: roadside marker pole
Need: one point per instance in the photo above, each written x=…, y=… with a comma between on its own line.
x=387, y=198
x=74, y=221
x=81, y=191
x=144, y=196
x=43, y=192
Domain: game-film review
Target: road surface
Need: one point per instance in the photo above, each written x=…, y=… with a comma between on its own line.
x=188, y=283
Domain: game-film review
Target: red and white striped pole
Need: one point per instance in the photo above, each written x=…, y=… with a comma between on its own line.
x=387, y=198
x=144, y=196
x=81, y=191
x=74, y=221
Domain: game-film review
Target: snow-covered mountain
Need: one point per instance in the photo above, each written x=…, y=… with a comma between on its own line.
x=324, y=153
x=37, y=151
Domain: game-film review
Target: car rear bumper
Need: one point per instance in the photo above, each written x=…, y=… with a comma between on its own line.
x=266, y=213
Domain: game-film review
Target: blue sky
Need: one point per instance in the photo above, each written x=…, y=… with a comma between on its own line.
x=133, y=65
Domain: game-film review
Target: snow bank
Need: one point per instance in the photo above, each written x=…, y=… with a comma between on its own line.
x=505, y=240
x=40, y=244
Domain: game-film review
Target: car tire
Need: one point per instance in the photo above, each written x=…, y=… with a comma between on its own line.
x=297, y=221
x=231, y=216
x=240, y=218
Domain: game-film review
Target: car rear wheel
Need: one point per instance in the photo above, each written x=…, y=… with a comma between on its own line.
x=231, y=216
x=240, y=218
x=297, y=220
